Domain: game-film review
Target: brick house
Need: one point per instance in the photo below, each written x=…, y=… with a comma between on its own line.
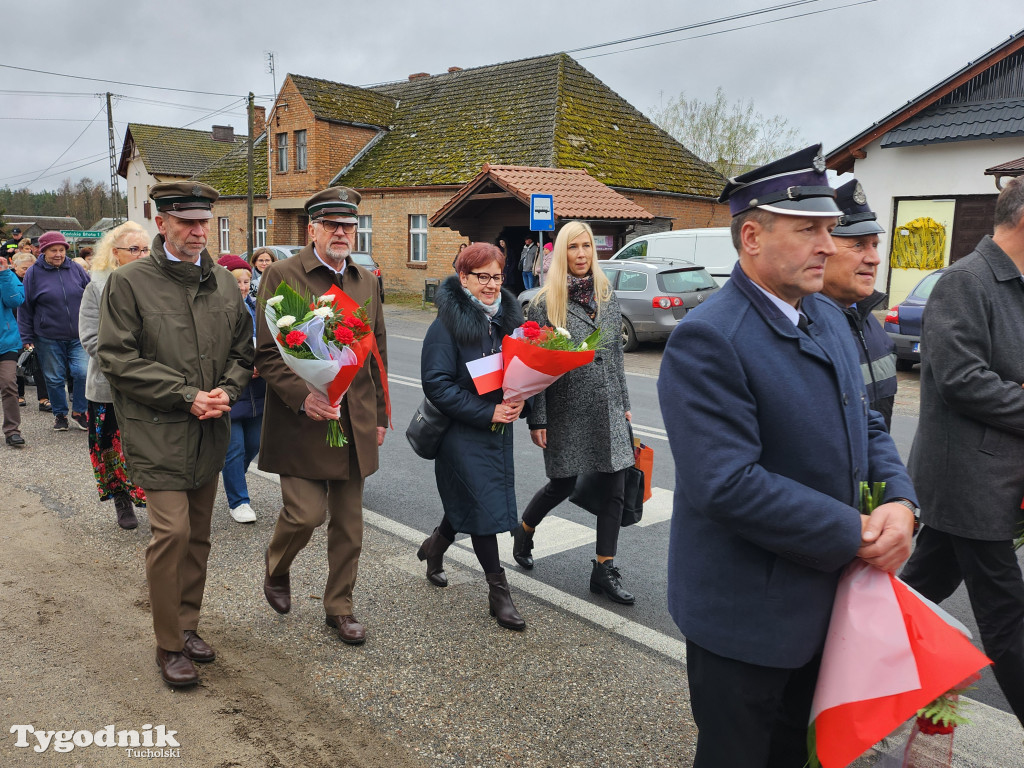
x=230, y=177
x=410, y=147
x=152, y=154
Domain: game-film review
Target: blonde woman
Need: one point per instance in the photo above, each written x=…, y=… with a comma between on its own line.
x=580, y=420
x=118, y=247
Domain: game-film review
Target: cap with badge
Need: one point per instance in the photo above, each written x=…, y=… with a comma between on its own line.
x=184, y=199
x=795, y=185
x=857, y=218
x=340, y=203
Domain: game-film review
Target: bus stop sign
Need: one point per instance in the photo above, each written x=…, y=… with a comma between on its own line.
x=542, y=213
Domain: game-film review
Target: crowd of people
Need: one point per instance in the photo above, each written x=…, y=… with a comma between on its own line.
x=777, y=396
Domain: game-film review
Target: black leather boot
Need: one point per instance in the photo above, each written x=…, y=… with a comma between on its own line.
x=432, y=550
x=605, y=579
x=500, y=601
x=522, y=546
x=125, y=514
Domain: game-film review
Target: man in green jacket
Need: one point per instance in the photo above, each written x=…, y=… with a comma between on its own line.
x=175, y=343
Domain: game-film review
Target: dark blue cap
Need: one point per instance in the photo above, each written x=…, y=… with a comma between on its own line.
x=857, y=218
x=795, y=185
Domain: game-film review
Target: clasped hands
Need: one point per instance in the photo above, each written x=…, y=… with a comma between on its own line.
x=506, y=412
x=886, y=536
x=210, y=405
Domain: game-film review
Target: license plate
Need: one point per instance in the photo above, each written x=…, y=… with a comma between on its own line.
x=917, y=348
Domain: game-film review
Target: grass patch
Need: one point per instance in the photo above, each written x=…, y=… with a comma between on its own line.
x=407, y=300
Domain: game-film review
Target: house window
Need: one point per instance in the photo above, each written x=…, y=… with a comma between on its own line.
x=282, y=153
x=364, y=240
x=259, y=229
x=300, y=150
x=224, y=229
x=418, y=238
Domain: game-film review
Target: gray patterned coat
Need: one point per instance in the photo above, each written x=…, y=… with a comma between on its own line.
x=584, y=411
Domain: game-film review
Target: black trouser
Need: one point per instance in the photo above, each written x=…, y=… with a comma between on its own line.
x=941, y=561
x=559, y=489
x=486, y=547
x=748, y=715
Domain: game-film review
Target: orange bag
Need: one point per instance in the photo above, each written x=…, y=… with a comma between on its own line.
x=644, y=461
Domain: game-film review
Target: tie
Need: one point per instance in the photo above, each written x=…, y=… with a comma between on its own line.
x=338, y=281
x=803, y=324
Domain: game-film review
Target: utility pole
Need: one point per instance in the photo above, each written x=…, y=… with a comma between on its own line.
x=252, y=127
x=115, y=193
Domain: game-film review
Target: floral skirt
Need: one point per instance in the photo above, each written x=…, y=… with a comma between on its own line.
x=107, y=458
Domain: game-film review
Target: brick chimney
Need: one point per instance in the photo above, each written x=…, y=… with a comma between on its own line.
x=224, y=133
x=259, y=121
x=454, y=69
x=419, y=75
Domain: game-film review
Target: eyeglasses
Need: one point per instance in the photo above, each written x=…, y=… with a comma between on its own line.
x=134, y=250
x=332, y=226
x=486, y=279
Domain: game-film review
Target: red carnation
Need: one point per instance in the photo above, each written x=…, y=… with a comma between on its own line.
x=926, y=726
x=344, y=335
x=531, y=330
x=354, y=323
x=294, y=338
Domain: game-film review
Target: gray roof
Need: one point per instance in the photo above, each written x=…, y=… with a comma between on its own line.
x=1002, y=118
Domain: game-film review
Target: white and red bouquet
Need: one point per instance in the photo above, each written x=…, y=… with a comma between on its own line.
x=324, y=342
x=532, y=358
x=889, y=655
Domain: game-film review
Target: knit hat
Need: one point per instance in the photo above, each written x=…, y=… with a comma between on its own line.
x=231, y=262
x=51, y=238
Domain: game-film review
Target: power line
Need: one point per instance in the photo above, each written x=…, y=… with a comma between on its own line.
x=118, y=82
x=69, y=147
x=731, y=29
x=697, y=25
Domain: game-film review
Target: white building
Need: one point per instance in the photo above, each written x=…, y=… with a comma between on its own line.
x=924, y=166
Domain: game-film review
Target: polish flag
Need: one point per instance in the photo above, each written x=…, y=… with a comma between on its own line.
x=487, y=373
x=888, y=653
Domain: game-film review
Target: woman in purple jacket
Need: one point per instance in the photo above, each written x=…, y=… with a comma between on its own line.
x=48, y=320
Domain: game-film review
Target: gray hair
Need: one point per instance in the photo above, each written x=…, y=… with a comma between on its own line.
x=1010, y=204
x=765, y=218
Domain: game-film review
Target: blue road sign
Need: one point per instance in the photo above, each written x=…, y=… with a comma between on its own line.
x=542, y=213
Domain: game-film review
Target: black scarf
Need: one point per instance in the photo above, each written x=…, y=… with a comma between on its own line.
x=581, y=291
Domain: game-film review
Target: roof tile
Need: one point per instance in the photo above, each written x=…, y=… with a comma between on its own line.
x=178, y=151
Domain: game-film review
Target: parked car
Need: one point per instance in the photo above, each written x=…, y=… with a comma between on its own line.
x=710, y=247
x=903, y=323
x=654, y=296
x=366, y=260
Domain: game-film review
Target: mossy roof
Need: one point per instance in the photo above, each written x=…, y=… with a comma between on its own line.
x=230, y=174
x=344, y=103
x=542, y=112
x=178, y=151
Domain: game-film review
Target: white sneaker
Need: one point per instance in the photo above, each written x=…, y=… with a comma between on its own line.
x=243, y=513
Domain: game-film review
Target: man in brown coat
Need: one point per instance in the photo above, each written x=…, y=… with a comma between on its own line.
x=317, y=479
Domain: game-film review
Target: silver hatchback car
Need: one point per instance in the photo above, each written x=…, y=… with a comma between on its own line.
x=654, y=296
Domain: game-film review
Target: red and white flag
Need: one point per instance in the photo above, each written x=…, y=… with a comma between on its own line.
x=487, y=373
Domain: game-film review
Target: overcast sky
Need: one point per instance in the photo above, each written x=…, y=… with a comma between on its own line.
x=832, y=72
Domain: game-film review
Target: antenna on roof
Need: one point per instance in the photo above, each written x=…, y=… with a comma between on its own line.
x=270, y=68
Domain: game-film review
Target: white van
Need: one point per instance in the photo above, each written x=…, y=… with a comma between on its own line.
x=711, y=248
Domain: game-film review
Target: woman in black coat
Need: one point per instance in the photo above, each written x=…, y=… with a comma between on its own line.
x=474, y=468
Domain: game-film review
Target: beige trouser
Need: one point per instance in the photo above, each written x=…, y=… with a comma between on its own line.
x=9, y=393
x=306, y=504
x=176, y=559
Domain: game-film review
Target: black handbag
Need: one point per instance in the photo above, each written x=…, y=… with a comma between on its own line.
x=426, y=430
x=26, y=365
x=591, y=492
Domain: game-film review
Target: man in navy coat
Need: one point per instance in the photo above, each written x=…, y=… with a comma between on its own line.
x=767, y=416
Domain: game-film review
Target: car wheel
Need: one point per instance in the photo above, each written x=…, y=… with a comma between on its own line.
x=902, y=364
x=629, y=340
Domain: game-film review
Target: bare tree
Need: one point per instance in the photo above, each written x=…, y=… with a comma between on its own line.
x=731, y=137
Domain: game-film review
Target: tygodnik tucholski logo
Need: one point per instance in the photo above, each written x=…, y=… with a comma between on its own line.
x=150, y=741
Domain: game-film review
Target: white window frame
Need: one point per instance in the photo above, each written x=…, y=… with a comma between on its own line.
x=418, y=238
x=259, y=231
x=224, y=234
x=301, y=151
x=364, y=238
x=282, y=153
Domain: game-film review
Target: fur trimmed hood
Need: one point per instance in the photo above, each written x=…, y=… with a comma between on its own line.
x=465, y=321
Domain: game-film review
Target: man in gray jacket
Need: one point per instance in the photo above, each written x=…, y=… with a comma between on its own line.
x=967, y=461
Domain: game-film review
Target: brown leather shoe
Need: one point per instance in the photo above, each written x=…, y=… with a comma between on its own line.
x=197, y=649
x=349, y=629
x=175, y=669
x=277, y=589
